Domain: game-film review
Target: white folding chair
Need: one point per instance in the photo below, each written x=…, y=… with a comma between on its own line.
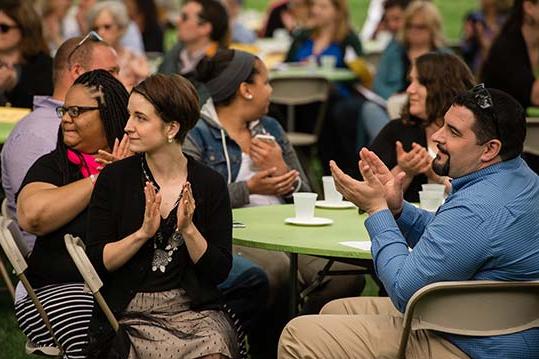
x=77, y=251
x=17, y=260
x=474, y=308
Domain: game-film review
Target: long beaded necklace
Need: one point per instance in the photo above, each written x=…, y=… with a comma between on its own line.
x=164, y=248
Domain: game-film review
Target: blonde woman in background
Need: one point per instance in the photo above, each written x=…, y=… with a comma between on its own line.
x=110, y=20
x=422, y=33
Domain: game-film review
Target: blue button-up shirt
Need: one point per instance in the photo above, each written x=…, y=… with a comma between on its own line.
x=488, y=229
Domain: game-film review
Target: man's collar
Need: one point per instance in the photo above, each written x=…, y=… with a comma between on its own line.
x=460, y=182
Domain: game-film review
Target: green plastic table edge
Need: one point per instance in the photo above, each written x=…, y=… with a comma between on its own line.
x=331, y=75
x=265, y=229
x=533, y=111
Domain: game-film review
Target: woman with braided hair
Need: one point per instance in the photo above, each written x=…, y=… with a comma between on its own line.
x=53, y=201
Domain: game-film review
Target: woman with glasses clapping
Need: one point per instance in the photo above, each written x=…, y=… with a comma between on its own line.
x=25, y=64
x=53, y=201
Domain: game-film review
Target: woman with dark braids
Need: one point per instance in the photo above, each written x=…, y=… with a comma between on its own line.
x=53, y=201
x=160, y=233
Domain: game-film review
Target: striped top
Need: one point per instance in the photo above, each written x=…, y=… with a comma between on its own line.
x=488, y=229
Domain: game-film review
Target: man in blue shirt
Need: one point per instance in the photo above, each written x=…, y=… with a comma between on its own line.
x=487, y=229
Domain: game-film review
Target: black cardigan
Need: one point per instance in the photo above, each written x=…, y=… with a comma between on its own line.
x=117, y=210
x=508, y=66
x=384, y=146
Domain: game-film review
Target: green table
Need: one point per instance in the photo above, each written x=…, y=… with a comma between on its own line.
x=5, y=129
x=265, y=228
x=337, y=74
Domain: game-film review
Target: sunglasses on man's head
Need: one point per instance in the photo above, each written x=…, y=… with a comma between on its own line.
x=91, y=36
x=74, y=111
x=484, y=101
x=5, y=28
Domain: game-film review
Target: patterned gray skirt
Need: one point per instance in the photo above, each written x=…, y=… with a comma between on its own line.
x=161, y=325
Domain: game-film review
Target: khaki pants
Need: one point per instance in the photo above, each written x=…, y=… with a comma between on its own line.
x=367, y=327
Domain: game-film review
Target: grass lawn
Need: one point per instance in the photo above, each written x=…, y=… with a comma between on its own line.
x=452, y=11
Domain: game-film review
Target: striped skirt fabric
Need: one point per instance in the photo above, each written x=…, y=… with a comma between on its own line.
x=69, y=308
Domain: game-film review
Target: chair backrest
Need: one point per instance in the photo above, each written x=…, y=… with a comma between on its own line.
x=77, y=251
x=293, y=91
x=19, y=239
x=4, y=208
x=16, y=258
x=474, y=308
x=531, y=145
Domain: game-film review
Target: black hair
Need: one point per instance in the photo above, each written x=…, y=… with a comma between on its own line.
x=111, y=97
x=209, y=68
x=505, y=121
x=214, y=12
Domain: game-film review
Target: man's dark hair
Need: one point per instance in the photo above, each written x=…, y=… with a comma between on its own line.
x=505, y=120
x=215, y=13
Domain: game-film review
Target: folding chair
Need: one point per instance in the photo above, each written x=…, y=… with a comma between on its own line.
x=294, y=91
x=77, y=251
x=16, y=258
x=474, y=308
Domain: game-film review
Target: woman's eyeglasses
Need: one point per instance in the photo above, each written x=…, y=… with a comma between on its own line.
x=105, y=27
x=5, y=28
x=74, y=111
x=92, y=36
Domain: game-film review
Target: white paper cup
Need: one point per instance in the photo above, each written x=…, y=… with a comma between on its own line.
x=328, y=62
x=330, y=192
x=304, y=204
x=435, y=187
x=430, y=200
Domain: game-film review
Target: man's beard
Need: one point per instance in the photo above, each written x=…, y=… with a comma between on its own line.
x=441, y=169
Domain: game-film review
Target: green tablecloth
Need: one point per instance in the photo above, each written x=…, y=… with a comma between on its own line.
x=265, y=228
x=332, y=75
x=533, y=111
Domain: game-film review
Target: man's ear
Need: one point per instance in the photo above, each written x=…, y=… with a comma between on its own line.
x=492, y=150
x=76, y=70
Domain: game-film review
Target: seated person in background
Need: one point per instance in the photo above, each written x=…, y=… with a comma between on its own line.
x=203, y=27
x=406, y=145
x=109, y=19
x=289, y=15
x=53, y=201
x=240, y=33
x=25, y=63
x=512, y=63
x=144, y=13
x=160, y=234
x=259, y=171
x=36, y=134
x=487, y=229
x=480, y=28
x=330, y=34
x=422, y=33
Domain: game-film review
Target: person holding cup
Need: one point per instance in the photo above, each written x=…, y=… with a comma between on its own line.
x=252, y=153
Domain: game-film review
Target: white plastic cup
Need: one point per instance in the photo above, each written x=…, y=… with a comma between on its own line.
x=430, y=200
x=330, y=192
x=304, y=204
x=328, y=62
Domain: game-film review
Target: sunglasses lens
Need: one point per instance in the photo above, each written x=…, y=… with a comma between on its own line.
x=4, y=28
